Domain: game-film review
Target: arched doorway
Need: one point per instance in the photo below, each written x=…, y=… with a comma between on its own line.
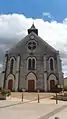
x=31, y=85
x=31, y=82
x=52, y=84
x=10, y=84
x=52, y=81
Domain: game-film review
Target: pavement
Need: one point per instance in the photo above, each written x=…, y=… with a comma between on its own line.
x=60, y=115
x=14, y=108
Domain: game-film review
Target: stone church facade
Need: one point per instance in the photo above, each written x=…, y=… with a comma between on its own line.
x=32, y=64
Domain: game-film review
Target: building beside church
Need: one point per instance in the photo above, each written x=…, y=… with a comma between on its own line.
x=65, y=83
x=32, y=64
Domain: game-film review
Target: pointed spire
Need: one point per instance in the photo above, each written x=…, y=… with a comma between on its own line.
x=33, y=29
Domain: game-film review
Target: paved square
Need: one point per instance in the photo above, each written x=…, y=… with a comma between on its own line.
x=25, y=111
x=13, y=108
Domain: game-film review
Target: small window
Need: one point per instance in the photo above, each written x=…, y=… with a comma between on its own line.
x=33, y=64
x=29, y=64
x=11, y=66
x=51, y=64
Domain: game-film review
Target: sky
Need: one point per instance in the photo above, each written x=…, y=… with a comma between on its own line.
x=49, y=16
x=35, y=8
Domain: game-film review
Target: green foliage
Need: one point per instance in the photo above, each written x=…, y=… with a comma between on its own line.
x=56, y=89
x=8, y=92
x=5, y=92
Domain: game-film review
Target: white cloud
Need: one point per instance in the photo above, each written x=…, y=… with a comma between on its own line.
x=47, y=14
x=13, y=27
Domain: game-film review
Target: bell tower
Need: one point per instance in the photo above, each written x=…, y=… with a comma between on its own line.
x=33, y=29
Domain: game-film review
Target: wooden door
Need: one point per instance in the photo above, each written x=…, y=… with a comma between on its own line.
x=52, y=84
x=31, y=85
x=10, y=84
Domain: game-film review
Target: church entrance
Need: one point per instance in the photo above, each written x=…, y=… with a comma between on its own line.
x=31, y=85
x=10, y=84
x=52, y=81
x=52, y=84
x=31, y=82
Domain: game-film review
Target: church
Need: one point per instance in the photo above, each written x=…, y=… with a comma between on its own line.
x=32, y=64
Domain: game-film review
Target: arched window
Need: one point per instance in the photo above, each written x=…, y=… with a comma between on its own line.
x=11, y=65
x=33, y=63
x=29, y=64
x=51, y=64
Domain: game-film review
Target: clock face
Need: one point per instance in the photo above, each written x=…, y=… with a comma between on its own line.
x=31, y=45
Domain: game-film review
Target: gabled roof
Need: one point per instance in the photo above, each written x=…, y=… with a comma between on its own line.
x=26, y=38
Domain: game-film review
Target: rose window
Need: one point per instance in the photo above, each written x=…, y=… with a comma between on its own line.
x=32, y=45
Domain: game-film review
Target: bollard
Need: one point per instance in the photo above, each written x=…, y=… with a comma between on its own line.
x=56, y=99
x=22, y=94
x=38, y=96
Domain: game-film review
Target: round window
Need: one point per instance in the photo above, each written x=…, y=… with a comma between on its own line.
x=31, y=45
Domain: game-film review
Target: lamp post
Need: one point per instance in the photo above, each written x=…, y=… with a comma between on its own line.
x=38, y=96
